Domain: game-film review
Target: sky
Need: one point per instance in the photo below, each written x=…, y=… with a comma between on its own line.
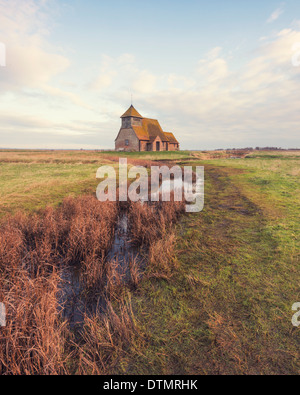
x=218, y=74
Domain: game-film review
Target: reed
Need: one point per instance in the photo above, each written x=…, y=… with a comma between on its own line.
x=105, y=339
x=35, y=249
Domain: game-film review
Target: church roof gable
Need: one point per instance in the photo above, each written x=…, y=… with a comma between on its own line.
x=131, y=112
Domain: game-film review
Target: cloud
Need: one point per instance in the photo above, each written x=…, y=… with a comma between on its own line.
x=144, y=82
x=28, y=65
x=113, y=71
x=276, y=14
x=213, y=70
x=72, y=97
x=32, y=62
x=37, y=132
x=219, y=105
x=215, y=104
x=222, y=100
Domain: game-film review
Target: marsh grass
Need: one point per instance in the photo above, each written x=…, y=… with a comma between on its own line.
x=106, y=340
x=35, y=249
x=214, y=297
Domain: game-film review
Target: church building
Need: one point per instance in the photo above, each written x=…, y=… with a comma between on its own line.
x=143, y=134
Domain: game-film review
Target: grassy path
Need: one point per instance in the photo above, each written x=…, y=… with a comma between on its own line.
x=227, y=307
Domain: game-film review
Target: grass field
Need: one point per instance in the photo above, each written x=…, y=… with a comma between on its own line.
x=31, y=180
x=217, y=293
x=227, y=308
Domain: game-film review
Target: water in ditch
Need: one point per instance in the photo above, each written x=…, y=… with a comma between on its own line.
x=73, y=298
x=74, y=301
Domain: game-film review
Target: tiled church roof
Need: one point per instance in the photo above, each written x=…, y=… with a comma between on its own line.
x=171, y=138
x=150, y=128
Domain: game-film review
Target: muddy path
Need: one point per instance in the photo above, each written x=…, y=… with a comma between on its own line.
x=229, y=194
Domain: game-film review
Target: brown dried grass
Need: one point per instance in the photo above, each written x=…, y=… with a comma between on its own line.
x=150, y=223
x=33, y=250
x=106, y=339
x=34, y=340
